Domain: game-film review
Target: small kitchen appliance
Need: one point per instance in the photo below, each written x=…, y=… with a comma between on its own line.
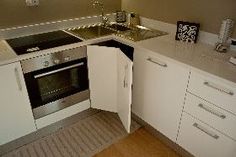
x=226, y=31
x=133, y=19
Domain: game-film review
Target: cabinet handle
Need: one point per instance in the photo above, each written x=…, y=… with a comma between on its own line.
x=125, y=77
x=156, y=62
x=210, y=110
x=18, y=79
x=213, y=135
x=58, y=70
x=226, y=91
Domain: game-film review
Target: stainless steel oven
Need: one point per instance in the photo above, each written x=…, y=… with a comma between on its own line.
x=57, y=80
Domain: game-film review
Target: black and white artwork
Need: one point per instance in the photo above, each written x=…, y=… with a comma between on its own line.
x=187, y=32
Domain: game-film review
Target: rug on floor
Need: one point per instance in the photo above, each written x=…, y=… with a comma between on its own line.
x=82, y=139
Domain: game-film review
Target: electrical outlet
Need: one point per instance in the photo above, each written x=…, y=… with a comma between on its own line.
x=233, y=42
x=32, y=2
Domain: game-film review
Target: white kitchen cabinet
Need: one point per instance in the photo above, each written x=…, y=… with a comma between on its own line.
x=207, y=127
x=110, y=79
x=202, y=140
x=16, y=118
x=158, y=91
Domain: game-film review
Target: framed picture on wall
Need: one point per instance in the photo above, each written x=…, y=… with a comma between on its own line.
x=187, y=31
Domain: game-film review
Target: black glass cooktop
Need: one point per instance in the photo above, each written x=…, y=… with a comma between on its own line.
x=32, y=43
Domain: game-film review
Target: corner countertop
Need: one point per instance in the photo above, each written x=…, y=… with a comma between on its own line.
x=198, y=56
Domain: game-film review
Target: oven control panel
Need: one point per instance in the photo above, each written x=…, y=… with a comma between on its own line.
x=56, y=58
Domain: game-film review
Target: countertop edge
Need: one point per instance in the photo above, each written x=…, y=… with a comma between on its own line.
x=190, y=65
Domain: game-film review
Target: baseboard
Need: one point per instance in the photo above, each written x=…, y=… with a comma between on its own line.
x=165, y=140
x=62, y=114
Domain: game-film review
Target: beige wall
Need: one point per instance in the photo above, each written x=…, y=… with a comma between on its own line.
x=209, y=13
x=16, y=13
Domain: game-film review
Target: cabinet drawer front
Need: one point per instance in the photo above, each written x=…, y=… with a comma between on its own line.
x=202, y=141
x=212, y=115
x=213, y=90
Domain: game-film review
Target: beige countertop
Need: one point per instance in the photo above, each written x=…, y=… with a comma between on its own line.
x=7, y=55
x=198, y=56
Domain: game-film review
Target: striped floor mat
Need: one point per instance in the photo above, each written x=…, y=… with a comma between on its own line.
x=82, y=139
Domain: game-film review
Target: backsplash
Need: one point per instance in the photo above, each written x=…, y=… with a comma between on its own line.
x=208, y=13
x=15, y=12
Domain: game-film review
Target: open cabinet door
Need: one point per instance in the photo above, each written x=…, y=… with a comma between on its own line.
x=110, y=79
x=124, y=89
x=102, y=65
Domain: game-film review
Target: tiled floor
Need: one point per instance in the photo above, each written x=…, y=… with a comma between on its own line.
x=139, y=144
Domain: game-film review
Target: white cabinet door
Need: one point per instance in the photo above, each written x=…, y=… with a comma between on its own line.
x=124, y=93
x=110, y=75
x=159, y=90
x=16, y=118
x=102, y=64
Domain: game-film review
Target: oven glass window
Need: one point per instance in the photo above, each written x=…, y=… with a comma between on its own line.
x=54, y=83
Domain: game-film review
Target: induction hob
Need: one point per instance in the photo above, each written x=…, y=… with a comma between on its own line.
x=33, y=43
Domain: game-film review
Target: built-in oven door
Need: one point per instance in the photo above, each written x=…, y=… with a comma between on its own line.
x=57, y=87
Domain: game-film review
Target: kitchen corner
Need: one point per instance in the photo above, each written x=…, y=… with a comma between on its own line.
x=83, y=83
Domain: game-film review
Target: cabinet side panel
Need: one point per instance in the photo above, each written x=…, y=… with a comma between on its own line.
x=16, y=118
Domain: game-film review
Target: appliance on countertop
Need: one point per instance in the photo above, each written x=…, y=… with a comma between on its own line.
x=56, y=81
x=133, y=19
x=32, y=43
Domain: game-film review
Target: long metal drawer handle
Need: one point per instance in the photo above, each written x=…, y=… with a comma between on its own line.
x=18, y=79
x=58, y=70
x=219, y=89
x=215, y=136
x=155, y=62
x=210, y=110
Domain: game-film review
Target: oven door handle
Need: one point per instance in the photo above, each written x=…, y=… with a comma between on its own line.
x=58, y=70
